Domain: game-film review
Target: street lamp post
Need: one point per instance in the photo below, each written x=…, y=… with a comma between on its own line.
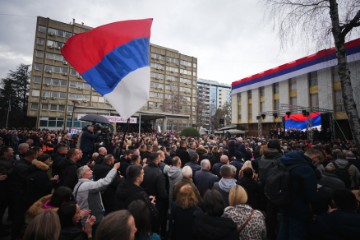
x=72, y=114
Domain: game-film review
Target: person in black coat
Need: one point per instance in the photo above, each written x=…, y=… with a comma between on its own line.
x=155, y=185
x=39, y=183
x=129, y=190
x=343, y=211
x=19, y=189
x=252, y=189
x=100, y=171
x=58, y=157
x=182, y=153
x=204, y=179
x=68, y=168
x=211, y=225
x=87, y=143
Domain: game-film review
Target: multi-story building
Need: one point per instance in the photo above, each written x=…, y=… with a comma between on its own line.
x=211, y=96
x=310, y=83
x=58, y=92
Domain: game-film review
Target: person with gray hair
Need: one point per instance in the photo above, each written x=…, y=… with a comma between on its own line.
x=87, y=192
x=204, y=179
x=22, y=149
x=226, y=182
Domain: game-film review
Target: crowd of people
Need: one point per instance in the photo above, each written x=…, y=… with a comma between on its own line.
x=165, y=186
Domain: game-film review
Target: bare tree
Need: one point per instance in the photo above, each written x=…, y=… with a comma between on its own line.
x=316, y=21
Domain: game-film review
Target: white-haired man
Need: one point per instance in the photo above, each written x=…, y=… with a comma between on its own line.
x=204, y=179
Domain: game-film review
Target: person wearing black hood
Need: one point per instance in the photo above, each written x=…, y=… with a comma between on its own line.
x=211, y=224
x=271, y=157
x=295, y=217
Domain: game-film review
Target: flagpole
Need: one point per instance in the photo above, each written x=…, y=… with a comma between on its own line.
x=126, y=130
x=7, y=115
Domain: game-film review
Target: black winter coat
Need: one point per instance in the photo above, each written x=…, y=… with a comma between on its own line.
x=214, y=228
x=204, y=180
x=154, y=183
x=88, y=141
x=108, y=196
x=72, y=233
x=67, y=173
x=336, y=225
x=39, y=183
x=183, y=154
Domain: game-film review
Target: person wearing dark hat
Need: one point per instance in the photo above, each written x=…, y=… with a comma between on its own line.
x=271, y=157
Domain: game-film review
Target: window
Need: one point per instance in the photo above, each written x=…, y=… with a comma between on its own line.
x=35, y=93
x=249, y=94
x=276, y=104
x=42, y=29
x=38, y=66
x=314, y=100
x=339, y=104
x=34, y=106
x=44, y=106
x=292, y=84
x=276, y=88
x=335, y=74
x=39, y=54
x=261, y=91
x=313, y=79
x=36, y=79
x=40, y=41
x=293, y=100
x=262, y=106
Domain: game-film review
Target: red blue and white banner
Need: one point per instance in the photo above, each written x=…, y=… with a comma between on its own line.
x=320, y=60
x=299, y=121
x=114, y=60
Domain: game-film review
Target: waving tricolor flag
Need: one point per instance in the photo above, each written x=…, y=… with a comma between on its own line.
x=299, y=121
x=114, y=60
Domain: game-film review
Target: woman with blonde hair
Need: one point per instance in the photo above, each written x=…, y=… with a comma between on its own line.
x=250, y=222
x=182, y=212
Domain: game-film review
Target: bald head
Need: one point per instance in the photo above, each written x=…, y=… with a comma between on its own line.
x=224, y=159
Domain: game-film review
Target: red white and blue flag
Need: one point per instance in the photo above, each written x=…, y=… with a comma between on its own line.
x=114, y=60
x=299, y=121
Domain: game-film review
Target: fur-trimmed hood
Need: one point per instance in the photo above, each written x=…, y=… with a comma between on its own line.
x=38, y=207
x=40, y=165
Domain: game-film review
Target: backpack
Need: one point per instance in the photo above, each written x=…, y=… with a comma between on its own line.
x=343, y=174
x=278, y=184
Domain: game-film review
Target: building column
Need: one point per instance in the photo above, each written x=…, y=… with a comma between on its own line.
x=165, y=120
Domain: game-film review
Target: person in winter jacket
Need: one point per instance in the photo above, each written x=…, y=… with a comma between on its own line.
x=100, y=171
x=342, y=221
x=39, y=183
x=250, y=222
x=87, y=143
x=211, y=225
x=87, y=192
x=204, y=179
x=68, y=168
x=174, y=175
x=227, y=181
x=70, y=219
x=130, y=190
x=295, y=217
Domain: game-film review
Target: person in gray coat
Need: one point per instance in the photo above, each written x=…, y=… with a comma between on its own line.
x=87, y=192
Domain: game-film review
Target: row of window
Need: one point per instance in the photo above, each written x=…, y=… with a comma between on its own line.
x=61, y=83
x=172, y=69
x=54, y=32
x=172, y=60
x=62, y=95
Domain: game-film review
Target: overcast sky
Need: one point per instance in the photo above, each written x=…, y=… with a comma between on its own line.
x=231, y=39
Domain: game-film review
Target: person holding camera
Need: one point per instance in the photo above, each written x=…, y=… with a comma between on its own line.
x=87, y=143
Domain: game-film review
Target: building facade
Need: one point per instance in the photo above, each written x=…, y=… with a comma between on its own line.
x=212, y=95
x=58, y=93
x=310, y=83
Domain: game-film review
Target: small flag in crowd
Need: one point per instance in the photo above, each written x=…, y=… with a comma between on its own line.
x=114, y=60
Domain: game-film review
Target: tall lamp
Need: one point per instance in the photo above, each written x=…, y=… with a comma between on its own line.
x=72, y=114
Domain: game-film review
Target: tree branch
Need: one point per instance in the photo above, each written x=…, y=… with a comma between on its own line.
x=355, y=22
